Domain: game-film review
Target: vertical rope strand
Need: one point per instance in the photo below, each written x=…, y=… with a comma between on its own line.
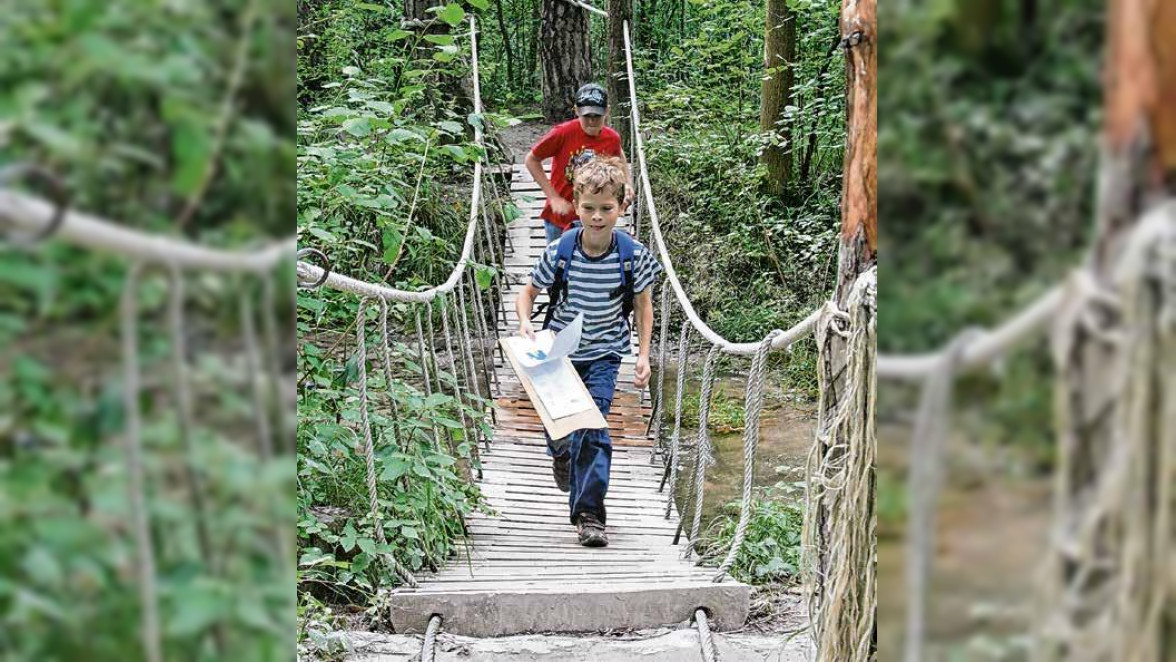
x=253, y=365
x=144, y=552
x=753, y=407
x=424, y=365
x=655, y=418
x=683, y=358
x=369, y=446
x=183, y=396
x=397, y=440
x=273, y=359
x=703, y=456
x=465, y=427
x=465, y=330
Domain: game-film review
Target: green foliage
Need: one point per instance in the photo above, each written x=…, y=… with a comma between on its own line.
x=424, y=496
x=123, y=101
x=771, y=550
x=386, y=156
x=726, y=412
x=753, y=263
x=987, y=171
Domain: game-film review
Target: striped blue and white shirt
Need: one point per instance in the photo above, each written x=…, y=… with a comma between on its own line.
x=591, y=283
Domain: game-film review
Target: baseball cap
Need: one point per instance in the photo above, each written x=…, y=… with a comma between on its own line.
x=591, y=99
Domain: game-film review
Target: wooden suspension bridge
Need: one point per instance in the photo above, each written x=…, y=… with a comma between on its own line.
x=524, y=570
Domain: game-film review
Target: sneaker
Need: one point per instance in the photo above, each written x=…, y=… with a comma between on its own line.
x=559, y=468
x=591, y=531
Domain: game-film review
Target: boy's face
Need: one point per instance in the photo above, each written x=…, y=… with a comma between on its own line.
x=598, y=214
x=593, y=124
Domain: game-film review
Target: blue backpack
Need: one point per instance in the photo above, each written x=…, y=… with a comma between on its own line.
x=558, y=292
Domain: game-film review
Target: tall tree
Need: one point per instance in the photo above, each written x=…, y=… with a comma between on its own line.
x=776, y=93
x=564, y=56
x=619, y=11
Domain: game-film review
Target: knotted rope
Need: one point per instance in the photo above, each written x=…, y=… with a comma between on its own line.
x=840, y=520
x=1109, y=566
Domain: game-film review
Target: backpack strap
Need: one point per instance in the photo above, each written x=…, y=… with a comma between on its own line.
x=559, y=284
x=627, y=247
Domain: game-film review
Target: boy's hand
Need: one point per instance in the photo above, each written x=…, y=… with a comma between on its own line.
x=561, y=206
x=642, y=372
x=525, y=329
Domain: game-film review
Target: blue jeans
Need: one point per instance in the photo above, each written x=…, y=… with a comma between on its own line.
x=590, y=451
x=554, y=232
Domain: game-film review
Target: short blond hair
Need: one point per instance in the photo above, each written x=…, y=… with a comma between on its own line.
x=601, y=173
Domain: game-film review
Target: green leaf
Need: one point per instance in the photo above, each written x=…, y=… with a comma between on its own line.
x=484, y=275
x=480, y=4
x=452, y=14
x=444, y=39
x=410, y=533
x=397, y=35
x=456, y=153
x=400, y=135
x=347, y=540
x=322, y=234
x=451, y=127
x=358, y=126
x=392, y=240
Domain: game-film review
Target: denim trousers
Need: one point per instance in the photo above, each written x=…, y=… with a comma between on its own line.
x=590, y=451
x=553, y=232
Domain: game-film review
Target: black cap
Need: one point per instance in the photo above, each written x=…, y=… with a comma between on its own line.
x=591, y=99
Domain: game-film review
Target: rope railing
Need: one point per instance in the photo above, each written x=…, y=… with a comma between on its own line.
x=35, y=215
x=1058, y=308
x=28, y=220
x=783, y=339
x=450, y=297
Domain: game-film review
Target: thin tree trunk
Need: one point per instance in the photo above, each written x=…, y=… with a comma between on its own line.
x=619, y=11
x=776, y=94
x=807, y=160
x=565, y=57
x=510, y=77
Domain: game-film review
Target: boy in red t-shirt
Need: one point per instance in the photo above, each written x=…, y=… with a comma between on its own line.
x=568, y=145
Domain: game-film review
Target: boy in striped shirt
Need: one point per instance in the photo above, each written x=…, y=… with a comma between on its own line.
x=606, y=273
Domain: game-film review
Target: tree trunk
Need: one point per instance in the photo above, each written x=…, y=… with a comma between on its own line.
x=776, y=94
x=1110, y=583
x=565, y=58
x=510, y=58
x=857, y=255
x=859, y=197
x=416, y=9
x=619, y=11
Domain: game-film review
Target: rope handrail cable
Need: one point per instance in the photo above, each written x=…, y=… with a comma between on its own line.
x=338, y=281
x=784, y=339
x=104, y=235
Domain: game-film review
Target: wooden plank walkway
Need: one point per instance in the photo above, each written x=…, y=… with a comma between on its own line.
x=524, y=570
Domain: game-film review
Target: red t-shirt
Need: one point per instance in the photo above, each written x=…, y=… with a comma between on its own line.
x=568, y=146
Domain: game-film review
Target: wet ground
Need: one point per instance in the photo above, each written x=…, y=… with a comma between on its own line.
x=993, y=521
